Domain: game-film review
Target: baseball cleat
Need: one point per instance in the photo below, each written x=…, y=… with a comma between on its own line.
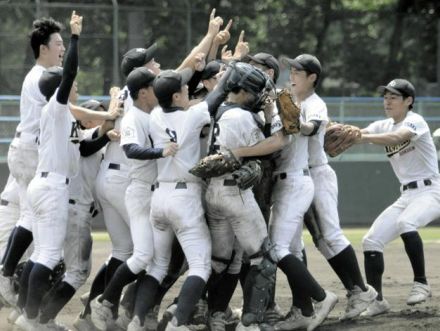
x=13, y=315
x=294, y=320
x=376, y=308
x=200, y=313
x=419, y=293
x=102, y=315
x=322, y=309
x=273, y=315
x=151, y=321
x=217, y=321
x=251, y=327
x=166, y=317
x=7, y=293
x=84, y=298
x=358, y=301
x=52, y=325
x=171, y=326
x=26, y=324
x=84, y=323
x=124, y=318
x=135, y=325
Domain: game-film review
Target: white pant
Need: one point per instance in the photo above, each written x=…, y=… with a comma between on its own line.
x=110, y=190
x=180, y=212
x=138, y=202
x=415, y=208
x=49, y=199
x=22, y=163
x=78, y=245
x=9, y=215
x=333, y=240
x=291, y=198
x=233, y=213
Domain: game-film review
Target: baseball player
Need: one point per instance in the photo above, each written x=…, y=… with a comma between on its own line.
x=48, y=191
x=305, y=71
x=48, y=49
x=409, y=146
x=137, y=146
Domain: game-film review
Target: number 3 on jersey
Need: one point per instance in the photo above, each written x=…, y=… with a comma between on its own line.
x=172, y=134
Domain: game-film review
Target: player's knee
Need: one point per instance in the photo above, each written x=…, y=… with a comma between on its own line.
x=139, y=262
x=77, y=278
x=371, y=244
x=405, y=225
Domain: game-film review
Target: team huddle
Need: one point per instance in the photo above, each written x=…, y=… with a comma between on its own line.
x=137, y=161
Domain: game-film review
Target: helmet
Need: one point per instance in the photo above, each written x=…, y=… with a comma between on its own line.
x=251, y=79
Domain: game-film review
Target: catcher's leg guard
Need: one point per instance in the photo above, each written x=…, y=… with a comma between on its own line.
x=259, y=285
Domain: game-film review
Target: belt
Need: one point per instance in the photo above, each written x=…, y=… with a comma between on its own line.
x=229, y=182
x=283, y=175
x=4, y=202
x=45, y=174
x=179, y=186
x=414, y=184
x=18, y=134
x=114, y=166
x=92, y=209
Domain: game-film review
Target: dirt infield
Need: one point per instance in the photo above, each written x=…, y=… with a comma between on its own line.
x=397, y=283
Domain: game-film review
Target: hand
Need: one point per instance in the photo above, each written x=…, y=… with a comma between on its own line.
x=199, y=61
x=226, y=55
x=114, y=135
x=214, y=23
x=114, y=112
x=223, y=36
x=242, y=47
x=170, y=150
x=76, y=23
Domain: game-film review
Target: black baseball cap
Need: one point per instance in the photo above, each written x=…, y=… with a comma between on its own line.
x=139, y=78
x=211, y=69
x=306, y=62
x=93, y=105
x=169, y=82
x=399, y=86
x=267, y=60
x=137, y=57
x=50, y=80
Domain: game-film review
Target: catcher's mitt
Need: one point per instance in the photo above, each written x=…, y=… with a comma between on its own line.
x=248, y=175
x=339, y=137
x=289, y=112
x=215, y=165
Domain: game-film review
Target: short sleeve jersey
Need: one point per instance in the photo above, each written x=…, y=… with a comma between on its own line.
x=135, y=129
x=414, y=159
x=31, y=102
x=182, y=127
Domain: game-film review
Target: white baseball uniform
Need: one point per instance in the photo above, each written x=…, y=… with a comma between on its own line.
x=111, y=185
x=135, y=129
x=48, y=191
x=176, y=206
x=23, y=151
x=9, y=211
x=415, y=164
x=233, y=212
x=325, y=198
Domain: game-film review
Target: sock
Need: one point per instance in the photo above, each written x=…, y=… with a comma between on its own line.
x=374, y=268
x=145, y=296
x=220, y=294
x=21, y=240
x=414, y=249
x=112, y=266
x=113, y=291
x=24, y=284
x=129, y=297
x=190, y=293
x=300, y=278
x=96, y=289
x=346, y=266
x=245, y=267
x=58, y=296
x=8, y=245
x=304, y=254
x=38, y=286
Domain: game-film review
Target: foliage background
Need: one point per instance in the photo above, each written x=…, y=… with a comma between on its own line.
x=361, y=43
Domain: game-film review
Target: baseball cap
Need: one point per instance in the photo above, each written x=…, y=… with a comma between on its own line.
x=306, y=62
x=50, y=80
x=139, y=78
x=137, y=57
x=93, y=105
x=267, y=60
x=211, y=69
x=169, y=82
x=399, y=86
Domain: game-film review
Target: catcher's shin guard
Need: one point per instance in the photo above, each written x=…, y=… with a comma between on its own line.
x=259, y=285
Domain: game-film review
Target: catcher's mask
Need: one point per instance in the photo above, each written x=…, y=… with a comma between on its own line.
x=254, y=81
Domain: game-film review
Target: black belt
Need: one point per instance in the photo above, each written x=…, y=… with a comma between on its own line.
x=45, y=174
x=72, y=202
x=179, y=186
x=283, y=175
x=229, y=182
x=114, y=166
x=4, y=202
x=413, y=185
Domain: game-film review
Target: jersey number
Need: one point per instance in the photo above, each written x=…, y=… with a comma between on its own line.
x=172, y=134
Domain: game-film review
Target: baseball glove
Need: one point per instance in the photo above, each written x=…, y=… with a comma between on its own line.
x=289, y=112
x=339, y=137
x=215, y=165
x=248, y=175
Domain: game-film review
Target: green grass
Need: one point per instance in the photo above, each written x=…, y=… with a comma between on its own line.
x=429, y=235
